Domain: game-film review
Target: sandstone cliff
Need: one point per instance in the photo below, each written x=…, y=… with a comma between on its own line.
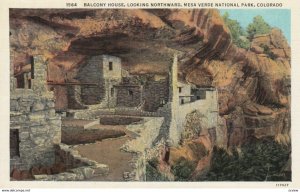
x=253, y=85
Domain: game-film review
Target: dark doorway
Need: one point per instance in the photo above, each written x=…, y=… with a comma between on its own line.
x=112, y=92
x=20, y=81
x=14, y=143
x=110, y=66
x=32, y=66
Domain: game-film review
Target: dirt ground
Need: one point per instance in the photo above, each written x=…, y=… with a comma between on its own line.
x=108, y=152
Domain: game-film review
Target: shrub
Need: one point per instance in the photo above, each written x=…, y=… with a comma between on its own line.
x=152, y=174
x=238, y=34
x=268, y=52
x=183, y=169
x=258, y=27
x=260, y=160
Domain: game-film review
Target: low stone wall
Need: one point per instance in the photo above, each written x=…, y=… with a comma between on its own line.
x=79, y=135
x=148, y=131
x=94, y=113
x=119, y=120
x=79, y=168
x=138, y=164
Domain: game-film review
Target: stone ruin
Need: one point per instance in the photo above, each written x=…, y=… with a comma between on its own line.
x=36, y=151
x=36, y=128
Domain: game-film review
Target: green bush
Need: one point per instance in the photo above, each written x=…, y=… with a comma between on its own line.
x=183, y=169
x=260, y=160
x=198, y=149
x=238, y=34
x=258, y=27
x=268, y=52
x=152, y=174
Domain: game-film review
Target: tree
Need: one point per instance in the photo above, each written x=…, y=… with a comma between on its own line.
x=236, y=31
x=257, y=27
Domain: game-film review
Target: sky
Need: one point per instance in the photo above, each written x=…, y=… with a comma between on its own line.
x=280, y=18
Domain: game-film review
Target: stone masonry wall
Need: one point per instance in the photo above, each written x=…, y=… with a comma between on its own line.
x=116, y=71
x=148, y=131
x=208, y=107
x=119, y=120
x=78, y=167
x=154, y=93
x=78, y=135
x=92, y=73
x=128, y=96
x=184, y=93
x=74, y=101
x=39, y=128
x=97, y=70
x=32, y=113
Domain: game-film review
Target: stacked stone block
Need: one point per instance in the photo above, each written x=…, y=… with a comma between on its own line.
x=32, y=113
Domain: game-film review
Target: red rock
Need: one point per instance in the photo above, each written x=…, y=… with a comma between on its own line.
x=43, y=170
x=35, y=171
x=25, y=175
x=16, y=174
x=55, y=169
x=263, y=110
x=49, y=171
x=257, y=49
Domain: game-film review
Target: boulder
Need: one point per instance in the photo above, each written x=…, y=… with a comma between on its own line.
x=26, y=175
x=16, y=174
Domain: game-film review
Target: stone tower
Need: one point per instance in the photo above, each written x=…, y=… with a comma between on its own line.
x=174, y=135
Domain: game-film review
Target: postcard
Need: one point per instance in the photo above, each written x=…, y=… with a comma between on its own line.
x=149, y=93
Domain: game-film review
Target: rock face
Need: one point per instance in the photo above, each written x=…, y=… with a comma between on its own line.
x=253, y=85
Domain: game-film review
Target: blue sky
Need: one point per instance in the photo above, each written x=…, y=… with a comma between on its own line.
x=280, y=18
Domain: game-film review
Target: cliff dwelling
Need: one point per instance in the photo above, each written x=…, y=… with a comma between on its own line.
x=109, y=98
x=142, y=95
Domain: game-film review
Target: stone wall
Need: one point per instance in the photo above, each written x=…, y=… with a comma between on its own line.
x=14, y=143
x=61, y=102
x=128, y=96
x=78, y=168
x=39, y=127
x=111, y=73
x=184, y=92
x=156, y=93
x=97, y=70
x=148, y=131
x=138, y=163
x=32, y=113
x=74, y=100
x=92, y=113
x=78, y=135
x=91, y=73
x=119, y=120
x=208, y=107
